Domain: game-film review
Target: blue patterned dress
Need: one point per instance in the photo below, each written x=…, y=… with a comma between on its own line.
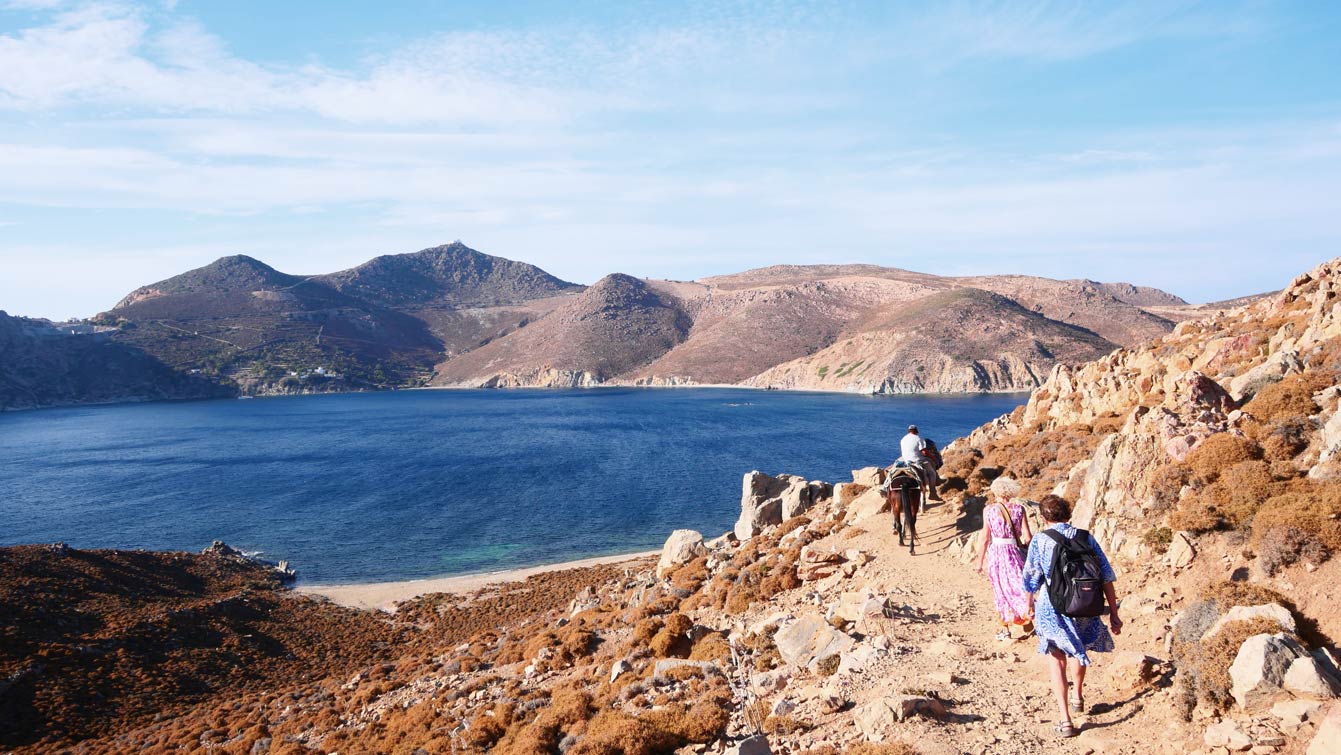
x=1071, y=636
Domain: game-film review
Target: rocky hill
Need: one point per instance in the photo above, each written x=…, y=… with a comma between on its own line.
x=766, y=327
x=41, y=365
x=1206, y=462
x=453, y=316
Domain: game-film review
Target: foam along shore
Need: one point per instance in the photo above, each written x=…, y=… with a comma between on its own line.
x=384, y=595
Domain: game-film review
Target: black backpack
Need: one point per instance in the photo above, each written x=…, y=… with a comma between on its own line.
x=1076, y=583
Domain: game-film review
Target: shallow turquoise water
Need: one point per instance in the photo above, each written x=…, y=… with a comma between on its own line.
x=381, y=486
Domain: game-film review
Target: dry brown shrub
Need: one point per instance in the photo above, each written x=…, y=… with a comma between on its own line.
x=1218, y=453
x=616, y=733
x=711, y=647
x=487, y=728
x=645, y=630
x=1311, y=507
x=1283, y=546
x=1291, y=398
x=569, y=706
x=1108, y=424
x=1167, y=485
x=692, y=575
x=1246, y=486
x=1285, y=439
x=791, y=525
x=784, y=725
x=667, y=645
x=679, y=624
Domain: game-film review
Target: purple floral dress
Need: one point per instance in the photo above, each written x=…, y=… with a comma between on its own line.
x=1005, y=563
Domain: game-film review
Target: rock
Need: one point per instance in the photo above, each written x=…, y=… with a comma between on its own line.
x=796, y=499
x=942, y=678
x=619, y=668
x=666, y=665
x=857, y=659
x=783, y=707
x=846, y=492
x=1228, y=734
x=866, y=506
x=1259, y=668
x=1308, y=678
x=817, y=563
x=876, y=718
x=830, y=701
x=681, y=547
x=1276, y=367
x=1181, y=552
x=1295, y=712
x=771, y=681
x=760, y=503
x=1130, y=671
x=755, y=745
x=1273, y=611
x=808, y=639
x=856, y=605
x=1327, y=740
x=260, y=746
x=871, y=477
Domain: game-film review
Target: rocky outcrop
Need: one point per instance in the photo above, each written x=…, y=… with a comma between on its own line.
x=767, y=500
x=1258, y=671
x=681, y=547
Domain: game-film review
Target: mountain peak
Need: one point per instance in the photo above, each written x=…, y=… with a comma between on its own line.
x=447, y=276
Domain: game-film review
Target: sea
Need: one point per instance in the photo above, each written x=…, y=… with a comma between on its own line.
x=369, y=487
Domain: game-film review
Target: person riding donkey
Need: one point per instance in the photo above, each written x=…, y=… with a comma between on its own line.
x=923, y=454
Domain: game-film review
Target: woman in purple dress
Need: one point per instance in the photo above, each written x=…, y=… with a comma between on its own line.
x=1005, y=532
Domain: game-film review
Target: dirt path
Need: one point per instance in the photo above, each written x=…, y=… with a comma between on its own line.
x=1000, y=700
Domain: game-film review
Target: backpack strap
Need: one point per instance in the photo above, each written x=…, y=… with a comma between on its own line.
x=1055, y=536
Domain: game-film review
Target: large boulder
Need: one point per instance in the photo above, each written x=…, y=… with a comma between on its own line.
x=1258, y=671
x=766, y=500
x=681, y=547
x=1275, y=368
x=808, y=639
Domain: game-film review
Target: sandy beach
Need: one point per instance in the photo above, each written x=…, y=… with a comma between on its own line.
x=384, y=595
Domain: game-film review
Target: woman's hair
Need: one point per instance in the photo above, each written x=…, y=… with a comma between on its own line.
x=1005, y=487
x=1055, y=508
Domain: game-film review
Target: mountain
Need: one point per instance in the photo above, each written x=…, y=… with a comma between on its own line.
x=452, y=276
x=239, y=320
x=959, y=341
x=453, y=316
x=616, y=325
x=827, y=327
x=41, y=365
x=465, y=297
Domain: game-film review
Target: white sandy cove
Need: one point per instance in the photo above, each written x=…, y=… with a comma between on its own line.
x=384, y=595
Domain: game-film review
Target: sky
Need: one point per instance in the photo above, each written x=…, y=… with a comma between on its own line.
x=1187, y=145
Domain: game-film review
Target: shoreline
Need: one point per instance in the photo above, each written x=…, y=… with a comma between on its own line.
x=384, y=595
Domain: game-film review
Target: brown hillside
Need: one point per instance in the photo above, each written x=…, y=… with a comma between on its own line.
x=615, y=326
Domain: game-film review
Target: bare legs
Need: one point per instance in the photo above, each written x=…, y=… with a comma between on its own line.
x=1057, y=668
x=1078, y=674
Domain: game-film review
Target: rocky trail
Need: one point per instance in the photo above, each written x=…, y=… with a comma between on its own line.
x=938, y=636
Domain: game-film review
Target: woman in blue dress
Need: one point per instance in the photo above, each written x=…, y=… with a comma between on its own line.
x=1067, y=641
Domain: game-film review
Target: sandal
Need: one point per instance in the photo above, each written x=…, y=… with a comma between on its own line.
x=1065, y=730
x=1003, y=635
x=1077, y=704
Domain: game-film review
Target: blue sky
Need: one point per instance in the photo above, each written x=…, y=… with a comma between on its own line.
x=1192, y=146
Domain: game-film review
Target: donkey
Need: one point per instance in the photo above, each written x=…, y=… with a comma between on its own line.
x=904, y=493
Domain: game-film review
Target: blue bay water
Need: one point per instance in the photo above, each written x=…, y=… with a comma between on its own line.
x=383, y=486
